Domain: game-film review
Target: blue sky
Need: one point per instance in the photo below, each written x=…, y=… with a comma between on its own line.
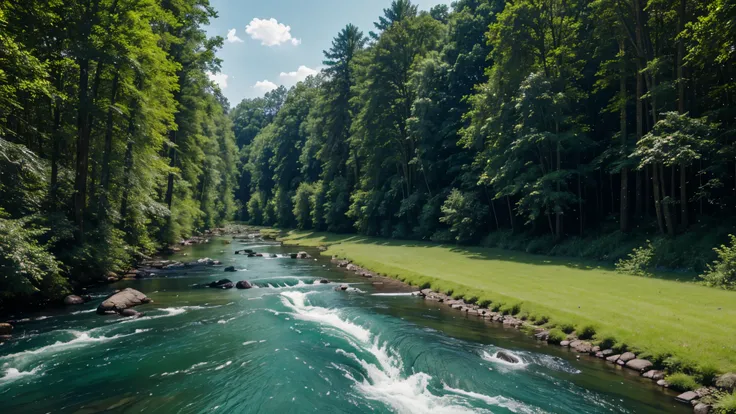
x=279, y=42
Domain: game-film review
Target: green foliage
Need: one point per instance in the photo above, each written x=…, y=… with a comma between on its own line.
x=681, y=382
x=586, y=332
x=722, y=273
x=556, y=336
x=639, y=261
x=463, y=213
x=567, y=328
x=28, y=268
x=726, y=404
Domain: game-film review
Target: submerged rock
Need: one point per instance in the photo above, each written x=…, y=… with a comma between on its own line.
x=6, y=328
x=654, y=375
x=130, y=313
x=505, y=356
x=243, y=284
x=222, y=284
x=230, y=269
x=126, y=298
x=324, y=281
x=73, y=300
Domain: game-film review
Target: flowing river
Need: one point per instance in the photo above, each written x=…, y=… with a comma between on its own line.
x=292, y=345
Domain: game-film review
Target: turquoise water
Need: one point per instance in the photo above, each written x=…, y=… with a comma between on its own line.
x=293, y=346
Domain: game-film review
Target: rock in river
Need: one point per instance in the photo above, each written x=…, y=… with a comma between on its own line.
x=130, y=313
x=505, y=356
x=222, y=284
x=243, y=284
x=73, y=300
x=230, y=269
x=126, y=298
x=6, y=328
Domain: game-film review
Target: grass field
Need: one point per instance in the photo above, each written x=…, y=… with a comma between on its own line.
x=693, y=325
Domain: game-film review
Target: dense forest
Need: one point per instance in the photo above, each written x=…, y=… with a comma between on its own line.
x=113, y=140
x=558, y=127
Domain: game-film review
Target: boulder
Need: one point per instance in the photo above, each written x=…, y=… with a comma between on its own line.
x=613, y=358
x=686, y=397
x=726, y=381
x=564, y=343
x=221, y=284
x=6, y=328
x=627, y=356
x=351, y=268
x=130, y=313
x=343, y=263
x=303, y=255
x=230, y=269
x=654, y=375
x=4, y=338
x=575, y=344
x=343, y=287
x=324, y=281
x=126, y=298
x=73, y=300
x=583, y=347
x=640, y=365
x=663, y=383
x=701, y=408
x=505, y=356
x=243, y=284
x=607, y=352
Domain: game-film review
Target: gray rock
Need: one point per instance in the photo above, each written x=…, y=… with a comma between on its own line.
x=344, y=287
x=243, y=284
x=303, y=255
x=130, y=313
x=686, y=397
x=583, y=347
x=6, y=328
x=654, y=375
x=627, y=356
x=222, y=284
x=640, y=365
x=726, y=381
x=351, y=267
x=126, y=298
x=663, y=383
x=324, y=281
x=595, y=349
x=457, y=306
x=607, y=352
x=426, y=292
x=574, y=344
x=701, y=408
x=505, y=356
x=230, y=269
x=73, y=300
x=565, y=343
x=613, y=358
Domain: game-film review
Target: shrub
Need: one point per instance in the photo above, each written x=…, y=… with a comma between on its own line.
x=722, y=273
x=484, y=303
x=706, y=375
x=464, y=214
x=639, y=261
x=681, y=382
x=726, y=404
x=587, y=332
x=540, y=320
x=556, y=336
x=567, y=328
x=607, y=342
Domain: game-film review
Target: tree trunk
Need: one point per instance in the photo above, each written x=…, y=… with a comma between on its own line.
x=511, y=214
x=107, y=155
x=169, y=197
x=55, y=150
x=128, y=166
x=667, y=212
x=657, y=200
x=83, y=128
x=558, y=213
x=625, y=170
x=684, y=222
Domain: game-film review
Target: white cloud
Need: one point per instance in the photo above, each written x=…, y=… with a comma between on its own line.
x=218, y=78
x=292, y=78
x=270, y=32
x=232, y=38
x=264, y=86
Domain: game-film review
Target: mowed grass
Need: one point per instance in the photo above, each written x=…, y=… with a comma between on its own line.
x=662, y=318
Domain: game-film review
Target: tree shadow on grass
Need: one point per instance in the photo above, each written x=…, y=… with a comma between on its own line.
x=495, y=254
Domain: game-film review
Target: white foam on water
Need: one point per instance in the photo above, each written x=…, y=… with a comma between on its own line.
x=12, y=374
x=169, y=312
x=500, y=401
x=330, y=317
x=81, y=339
x=249, y=342
x=83, y=311
x=496, y=360
x=392, y=294
x=384, y=380
x=223, y=365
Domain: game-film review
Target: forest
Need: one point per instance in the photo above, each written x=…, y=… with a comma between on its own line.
x=113, y=140
x=602, y=130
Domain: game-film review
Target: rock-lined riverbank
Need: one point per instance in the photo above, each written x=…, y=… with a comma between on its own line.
x=701, y=399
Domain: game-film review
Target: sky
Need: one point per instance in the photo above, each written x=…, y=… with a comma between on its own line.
x=280, y=42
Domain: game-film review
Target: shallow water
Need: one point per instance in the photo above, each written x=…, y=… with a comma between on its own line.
x=293, y=345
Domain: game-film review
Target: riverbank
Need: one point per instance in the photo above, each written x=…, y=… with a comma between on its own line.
x=679, y=327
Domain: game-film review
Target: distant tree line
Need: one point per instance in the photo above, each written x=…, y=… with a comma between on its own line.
x=551, y=118
x=113, y=139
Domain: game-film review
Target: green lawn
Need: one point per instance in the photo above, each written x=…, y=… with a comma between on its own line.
x=660, y=317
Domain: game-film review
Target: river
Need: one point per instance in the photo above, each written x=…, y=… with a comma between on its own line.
x=292, y=345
